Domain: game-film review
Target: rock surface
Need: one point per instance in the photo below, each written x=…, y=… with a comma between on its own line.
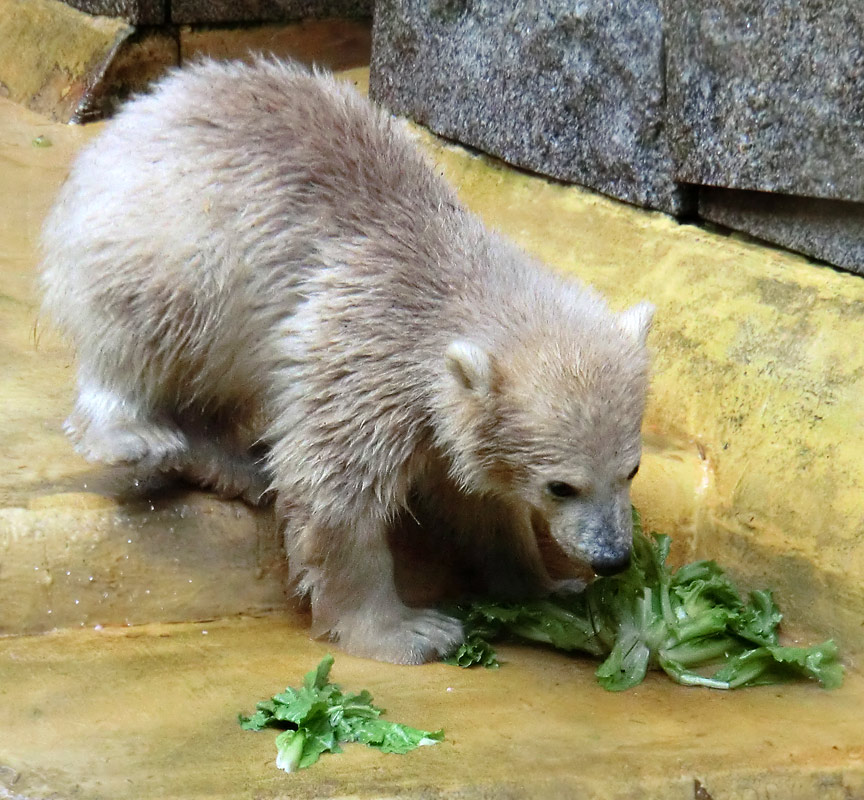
x=138, y=12
x=572, y=91
x=830, y=230
x=768, y=95
x=197, y=11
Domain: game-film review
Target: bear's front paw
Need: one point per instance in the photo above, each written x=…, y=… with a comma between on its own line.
x=413, y=636
x=149, y=447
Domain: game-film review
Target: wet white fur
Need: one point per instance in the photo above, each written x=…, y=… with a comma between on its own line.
x=255, y=254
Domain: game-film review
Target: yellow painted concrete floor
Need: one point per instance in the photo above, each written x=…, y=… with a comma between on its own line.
x=150, y=712
x=752, y=456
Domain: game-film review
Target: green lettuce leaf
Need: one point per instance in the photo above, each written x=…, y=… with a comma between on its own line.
x=759, y=619
x=389, y=737
x=690, y=623
x=475, y=650
x=775, y=664
x=318, y=717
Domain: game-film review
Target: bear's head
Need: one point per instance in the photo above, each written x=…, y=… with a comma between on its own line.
x=549, y=413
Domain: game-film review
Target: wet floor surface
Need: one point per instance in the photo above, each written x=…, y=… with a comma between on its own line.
x=34, y=380
x=150, y=712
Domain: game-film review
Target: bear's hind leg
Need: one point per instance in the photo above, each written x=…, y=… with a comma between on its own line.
x=232, y=471
x=349, y=576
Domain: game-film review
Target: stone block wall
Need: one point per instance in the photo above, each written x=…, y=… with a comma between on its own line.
x=829, y=230
x=747, y=112
x=571, y=90
x=186, y=12
x=194, y=12
x=768, y=95
x=138, y=12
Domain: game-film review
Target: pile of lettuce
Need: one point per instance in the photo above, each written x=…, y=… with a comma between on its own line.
x=319, y=717
x=691, y=623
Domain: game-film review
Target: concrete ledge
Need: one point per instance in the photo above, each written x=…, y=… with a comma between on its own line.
x=60, y=55
x=71, y=66
x=82, y=560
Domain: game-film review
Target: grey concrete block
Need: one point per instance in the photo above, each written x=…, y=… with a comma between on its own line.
x=573, y=90
x=212, y=11
x=138, y=12
x=831, y=230
x=768, y=94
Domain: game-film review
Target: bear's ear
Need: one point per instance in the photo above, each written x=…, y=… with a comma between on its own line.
x=636, y=321
x=470, y=365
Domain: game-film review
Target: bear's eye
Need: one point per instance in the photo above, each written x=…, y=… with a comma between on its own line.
x=633, y=473
x=561, y=490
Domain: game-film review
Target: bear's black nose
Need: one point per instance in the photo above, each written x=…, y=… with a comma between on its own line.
x=611, y=566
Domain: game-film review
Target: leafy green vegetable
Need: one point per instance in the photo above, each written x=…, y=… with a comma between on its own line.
x=475, y=650
x=318, y=717
x=691, y=623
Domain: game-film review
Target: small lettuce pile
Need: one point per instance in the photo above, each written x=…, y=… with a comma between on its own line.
x=692, y=623
x=319, y=717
